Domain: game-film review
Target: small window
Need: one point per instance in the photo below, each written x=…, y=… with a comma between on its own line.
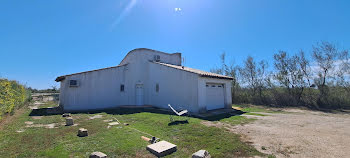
x=212, y=85
x=122, y=88
x=157, y=87
x=219, y=86
x=73, y=83
x=207, y=85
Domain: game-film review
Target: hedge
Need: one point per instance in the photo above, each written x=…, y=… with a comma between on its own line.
x=12, y=95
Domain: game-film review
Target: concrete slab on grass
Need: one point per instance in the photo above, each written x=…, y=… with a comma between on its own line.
x=201, y=154
x=113, y=123
x=69, y=121
x=95, y=117
x=161, y=148
x=82, y=132
x=98, y=155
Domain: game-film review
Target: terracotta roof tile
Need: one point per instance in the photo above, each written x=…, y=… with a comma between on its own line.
x=196, y=71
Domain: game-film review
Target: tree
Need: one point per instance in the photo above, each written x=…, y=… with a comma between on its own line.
x=249, y=74
x=281, y=65
x=325, y=54
x=304, y=65
x=254, y=76
x=344, y=71
x=228, y=70
x=292, y=74
x=307, y=94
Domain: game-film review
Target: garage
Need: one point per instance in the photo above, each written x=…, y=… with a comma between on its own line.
x=215, y=98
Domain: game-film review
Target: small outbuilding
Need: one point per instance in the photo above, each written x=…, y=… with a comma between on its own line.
x=146, y=77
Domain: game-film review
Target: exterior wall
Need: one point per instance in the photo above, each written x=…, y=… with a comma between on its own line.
x=144, y=54
x=202, y=92
x=96, y=90
x=101, y=89
x=177, y=88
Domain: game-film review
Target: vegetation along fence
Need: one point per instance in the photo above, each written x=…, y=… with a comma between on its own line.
x=318, y=80
x=12, y=95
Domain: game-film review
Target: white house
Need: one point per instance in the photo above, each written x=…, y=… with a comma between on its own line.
x=146, y=77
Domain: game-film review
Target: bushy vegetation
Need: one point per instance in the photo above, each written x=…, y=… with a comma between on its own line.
x=319, y=82
x=12, y=95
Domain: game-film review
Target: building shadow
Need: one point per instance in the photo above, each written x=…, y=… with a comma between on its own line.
x=219, y=114
x=177, y=122
x=214, y=115
x=46, y=111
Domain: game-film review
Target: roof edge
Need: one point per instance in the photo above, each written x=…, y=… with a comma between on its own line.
x=61, y=78
x=148, y=50
x=201, y=75
x=218, y=77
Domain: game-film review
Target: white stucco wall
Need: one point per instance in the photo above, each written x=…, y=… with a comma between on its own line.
x=101, y=89
x=176, y=87
x=97, y=89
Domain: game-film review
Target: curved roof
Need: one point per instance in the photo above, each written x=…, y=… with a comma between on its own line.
x=196, y=71
x=144, y=49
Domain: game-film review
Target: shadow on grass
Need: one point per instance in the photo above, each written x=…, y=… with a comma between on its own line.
x=46, y=111
x=214, y=115
x=220, y=116
x=178, y=122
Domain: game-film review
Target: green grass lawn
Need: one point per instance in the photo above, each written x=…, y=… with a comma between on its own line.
x=120, y=140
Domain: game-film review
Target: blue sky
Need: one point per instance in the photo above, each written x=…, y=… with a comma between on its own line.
x=40, y=40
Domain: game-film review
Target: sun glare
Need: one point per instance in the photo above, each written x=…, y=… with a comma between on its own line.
x=177, y=9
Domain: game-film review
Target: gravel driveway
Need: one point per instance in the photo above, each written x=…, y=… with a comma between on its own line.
x=299, y=133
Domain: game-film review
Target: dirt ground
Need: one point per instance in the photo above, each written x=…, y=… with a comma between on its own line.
x=297, y=133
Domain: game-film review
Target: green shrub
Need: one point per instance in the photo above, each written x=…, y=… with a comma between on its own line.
x=12, y=95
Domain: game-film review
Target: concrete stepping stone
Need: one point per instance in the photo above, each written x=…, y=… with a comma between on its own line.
x=108, y=120
x=82, y=132
x=37, y=117
x=20, y=131
x=52, y=125
x=113, y=123
x=33, y=107
x=98, y=155
x=66, y=115
x=162, y=148
x=29, y=122
x=69, y=121
x=201, y=154
x=94, y=117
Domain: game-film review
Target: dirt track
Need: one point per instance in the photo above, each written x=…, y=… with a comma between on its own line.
x=301, y=133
